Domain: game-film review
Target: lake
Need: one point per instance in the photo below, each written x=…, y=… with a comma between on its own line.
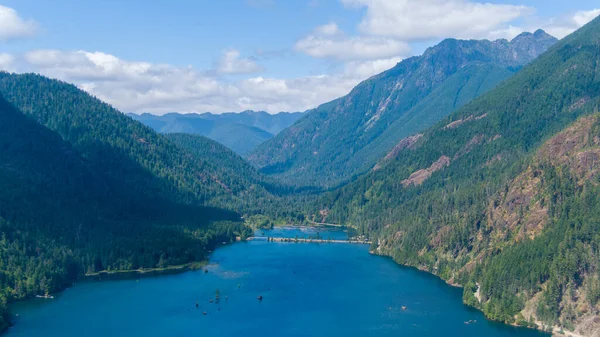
x=308, y=289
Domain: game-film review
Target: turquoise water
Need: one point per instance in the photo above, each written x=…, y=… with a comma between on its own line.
x=308, y=290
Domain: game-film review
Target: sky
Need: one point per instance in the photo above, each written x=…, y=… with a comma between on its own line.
x=235, y=55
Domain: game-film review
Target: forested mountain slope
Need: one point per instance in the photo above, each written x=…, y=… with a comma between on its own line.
x=287, y=203
x=123, y=147
x=347, y=136
x=241, y=132
x=62, y=215
x=495, y=195
x=218, y=155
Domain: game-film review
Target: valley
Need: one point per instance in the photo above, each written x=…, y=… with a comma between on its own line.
x=456, y=193
x=241, y=132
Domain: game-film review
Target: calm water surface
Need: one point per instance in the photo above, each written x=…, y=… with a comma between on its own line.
x=308, y=290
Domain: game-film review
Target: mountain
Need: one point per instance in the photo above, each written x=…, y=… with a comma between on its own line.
x=502, y=196
x=241, y=132
x=286, y=203
x=346, y=137
x=124, y=147
x=220, y=155
x=63, y=213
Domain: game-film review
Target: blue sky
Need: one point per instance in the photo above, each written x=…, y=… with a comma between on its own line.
x=231, y=55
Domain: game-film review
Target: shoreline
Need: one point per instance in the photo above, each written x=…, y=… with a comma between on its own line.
x=197, y=265
x=112, y=275
x=149, y=271
x=556, y=330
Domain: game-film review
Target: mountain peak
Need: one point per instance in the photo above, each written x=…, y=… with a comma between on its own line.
x=539, y=35
x=531, y=45
x=524, y=35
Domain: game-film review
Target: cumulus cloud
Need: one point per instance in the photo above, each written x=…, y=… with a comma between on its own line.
x=12, y=26
x=414, y=20
x=558, y=27
x=231, y=63
x=6, y=61
x=160, y=88
x=561, y=27
x=583, y=17
x=330, y=29
x=366, y=69
x=385, y=32
x=329, y=41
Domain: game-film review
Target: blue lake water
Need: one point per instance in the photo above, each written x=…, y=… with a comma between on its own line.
x=308, y=290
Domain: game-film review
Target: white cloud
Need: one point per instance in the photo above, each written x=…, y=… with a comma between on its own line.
x=366, y=69
x=413, y=20
x=329, y=41
x=12, y=26
x=93, y=66
x=561, y=27
x=508, y=33
x=558, y=27
x=6, y=61
x=231, y=63
x=330, y=29
x=161, y=88
x=583, y=17
x=386, y=29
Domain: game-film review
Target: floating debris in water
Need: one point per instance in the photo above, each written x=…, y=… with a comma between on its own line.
x=260, y=298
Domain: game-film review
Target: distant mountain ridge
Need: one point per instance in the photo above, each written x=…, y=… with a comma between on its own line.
x=241, y=132
x=346, y=137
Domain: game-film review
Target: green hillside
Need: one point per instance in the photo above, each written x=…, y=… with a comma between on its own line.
x=219, y=155
x=62, y=215
x=286, y=204
x=477, y=201
x=123, y=147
